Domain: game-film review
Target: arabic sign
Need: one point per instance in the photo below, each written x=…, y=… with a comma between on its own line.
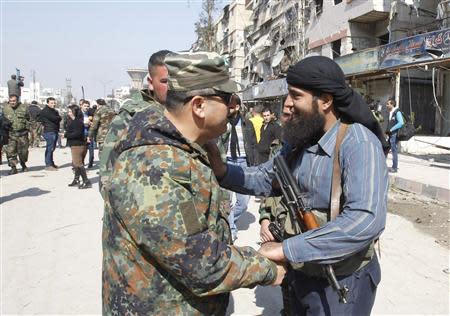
x=438, y=41
x=411, y=50
x=359, y=62
x=405, y=51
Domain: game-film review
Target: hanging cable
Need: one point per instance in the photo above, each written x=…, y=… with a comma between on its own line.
x=436, y=104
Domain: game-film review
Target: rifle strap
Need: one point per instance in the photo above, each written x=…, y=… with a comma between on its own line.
x=336, y=188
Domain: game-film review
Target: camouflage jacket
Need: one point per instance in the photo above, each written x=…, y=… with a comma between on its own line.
x=166, y=244
x=118, y=127
x=19, y=117
x=101, y=122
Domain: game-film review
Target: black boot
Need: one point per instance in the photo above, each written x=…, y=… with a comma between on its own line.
x=86, y=183
x=76, y=178
x=13, y=170
x=24, y=166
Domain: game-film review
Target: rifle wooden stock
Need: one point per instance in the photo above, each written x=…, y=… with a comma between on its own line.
x=309, y=220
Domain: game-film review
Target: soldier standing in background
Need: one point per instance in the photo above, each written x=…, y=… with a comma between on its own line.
x=17, y=114
x=103, y=117
x=155, y=97
x=15, y=87
x=35, y=125
x=166, y=243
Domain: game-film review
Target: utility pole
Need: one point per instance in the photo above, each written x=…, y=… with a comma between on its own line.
x=104, y=83
x=33, y=75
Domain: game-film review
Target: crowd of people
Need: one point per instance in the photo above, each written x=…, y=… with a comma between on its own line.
x=179, y=163
x=83, y=127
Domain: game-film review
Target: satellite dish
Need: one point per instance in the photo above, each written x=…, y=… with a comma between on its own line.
x=277, y=58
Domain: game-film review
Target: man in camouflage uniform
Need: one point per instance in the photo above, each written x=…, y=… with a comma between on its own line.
x=103, y=117
x=35, y=125
x=272, y=209
x=166, y=244
x=17, y=114
x=155, y=96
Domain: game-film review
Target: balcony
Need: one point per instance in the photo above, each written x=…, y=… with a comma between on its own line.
x=364, y=11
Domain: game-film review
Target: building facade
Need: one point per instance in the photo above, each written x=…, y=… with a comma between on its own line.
x=386, y=48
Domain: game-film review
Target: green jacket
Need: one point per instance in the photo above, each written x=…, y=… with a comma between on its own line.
x=166, y=243
x=19, y=117
x=118, y=127
x=100, y=123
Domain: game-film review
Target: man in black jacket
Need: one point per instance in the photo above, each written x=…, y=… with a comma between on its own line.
x=50, y=118
x=269, y=132
x=5, y=126
x=239, y=145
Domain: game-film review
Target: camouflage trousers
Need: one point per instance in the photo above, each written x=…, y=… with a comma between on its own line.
x=35, y=133
x=17, y=146
x=100, y=148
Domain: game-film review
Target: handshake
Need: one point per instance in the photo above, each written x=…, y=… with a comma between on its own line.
x=274, y=252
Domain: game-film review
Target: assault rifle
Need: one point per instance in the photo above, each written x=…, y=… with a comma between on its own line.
x=302, y=215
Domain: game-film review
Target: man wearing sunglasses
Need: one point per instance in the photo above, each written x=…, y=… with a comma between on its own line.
x=166, y=241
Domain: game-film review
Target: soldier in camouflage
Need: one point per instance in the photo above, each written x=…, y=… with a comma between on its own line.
x=166, y=243
x=103, y=117
x=154, y=97
x=17, y=114
x=35, y=125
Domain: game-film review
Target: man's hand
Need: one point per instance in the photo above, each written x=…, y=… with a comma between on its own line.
x=88, y=139
x=273, y=251
x=264, y=231
x=281, y=272
x=217, y=165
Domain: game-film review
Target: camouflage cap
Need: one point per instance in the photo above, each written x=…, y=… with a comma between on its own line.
x=196, y=71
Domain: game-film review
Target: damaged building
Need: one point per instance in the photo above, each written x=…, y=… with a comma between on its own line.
x=386, y=48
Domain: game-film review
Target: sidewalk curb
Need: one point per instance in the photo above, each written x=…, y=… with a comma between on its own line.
x=431, y=191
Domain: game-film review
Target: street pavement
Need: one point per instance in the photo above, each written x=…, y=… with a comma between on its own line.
x=51, y=252
x=427, y=175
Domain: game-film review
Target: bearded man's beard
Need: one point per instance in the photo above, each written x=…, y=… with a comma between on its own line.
x=304, y=128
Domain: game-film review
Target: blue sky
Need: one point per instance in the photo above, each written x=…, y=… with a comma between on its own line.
x=90, y=41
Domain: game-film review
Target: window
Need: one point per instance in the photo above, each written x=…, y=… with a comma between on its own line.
x=336, y=48
x=319, y=6
x=337, y=1
x=383, y=39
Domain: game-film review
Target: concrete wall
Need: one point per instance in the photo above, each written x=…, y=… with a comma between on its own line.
x=408, y=21
x=426, y=145
x=332, y=24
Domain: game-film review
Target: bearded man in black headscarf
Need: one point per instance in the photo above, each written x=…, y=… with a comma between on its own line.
x=325, y=109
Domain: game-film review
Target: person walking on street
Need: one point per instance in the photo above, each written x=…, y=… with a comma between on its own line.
x=50, y=118
x=5, y=127
x=17, y=114
x=35, y=125
x=395, y=123
x=270, y=131
x=77, y=143
x=166, y=245
x=103, y=117
x=239, y=144
x=323, y=108
x=87, y=122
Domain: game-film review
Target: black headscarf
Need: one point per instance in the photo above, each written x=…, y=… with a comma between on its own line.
x=322, y=74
